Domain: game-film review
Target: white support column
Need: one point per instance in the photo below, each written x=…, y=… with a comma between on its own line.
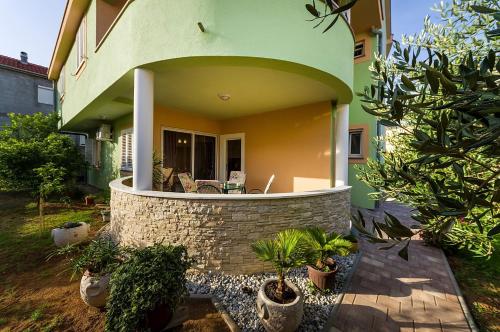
x=142, y=151
x=342, y=145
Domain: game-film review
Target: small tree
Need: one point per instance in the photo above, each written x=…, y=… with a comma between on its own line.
x=445, y=163
x=286, y=251
x=36, y=158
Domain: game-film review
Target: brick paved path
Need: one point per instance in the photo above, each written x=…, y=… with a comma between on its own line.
x=389, y=294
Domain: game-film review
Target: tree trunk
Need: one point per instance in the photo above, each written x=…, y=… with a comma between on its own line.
x=280, y=289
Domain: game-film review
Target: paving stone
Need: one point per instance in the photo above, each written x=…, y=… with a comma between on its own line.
x=417, y=295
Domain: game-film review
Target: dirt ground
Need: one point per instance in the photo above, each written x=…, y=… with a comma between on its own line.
x=38, y=295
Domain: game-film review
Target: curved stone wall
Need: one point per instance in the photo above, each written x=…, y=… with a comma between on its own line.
x=219, y=229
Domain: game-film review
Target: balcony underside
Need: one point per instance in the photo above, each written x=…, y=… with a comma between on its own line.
x=196, y=85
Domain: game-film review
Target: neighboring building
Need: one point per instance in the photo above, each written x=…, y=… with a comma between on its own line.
x=24, y=87
x=220, y=86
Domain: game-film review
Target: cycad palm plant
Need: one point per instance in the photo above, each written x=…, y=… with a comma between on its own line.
x=324, y=245
x=286, y=251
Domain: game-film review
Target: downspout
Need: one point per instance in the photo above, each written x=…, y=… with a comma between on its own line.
x=380, y=48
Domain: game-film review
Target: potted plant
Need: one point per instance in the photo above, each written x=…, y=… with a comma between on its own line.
x=323, y=267
x=96, y=263
x=89, y=200
x=147, y=289
x=70, y=233
x=280, y=303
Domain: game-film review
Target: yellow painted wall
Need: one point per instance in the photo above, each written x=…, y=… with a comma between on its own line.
x=166, y=117
x=293, y=144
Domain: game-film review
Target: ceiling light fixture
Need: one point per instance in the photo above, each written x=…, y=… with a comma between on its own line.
x=224, y=96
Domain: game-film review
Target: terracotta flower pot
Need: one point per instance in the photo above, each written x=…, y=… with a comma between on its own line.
x=277, y=317
x=94, y=289
x=322, y=280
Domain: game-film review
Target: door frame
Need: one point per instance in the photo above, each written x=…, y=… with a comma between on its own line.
x=193, y=134
x=222, y=152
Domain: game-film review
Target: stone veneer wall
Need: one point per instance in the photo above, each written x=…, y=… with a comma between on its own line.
x=218, y=232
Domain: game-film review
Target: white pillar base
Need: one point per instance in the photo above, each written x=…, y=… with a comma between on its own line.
x=342, y=145
x=142, y=150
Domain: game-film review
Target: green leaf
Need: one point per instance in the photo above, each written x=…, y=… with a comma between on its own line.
x=408, y=83
x=311, y=9
x=483, y=9
x=433, y=80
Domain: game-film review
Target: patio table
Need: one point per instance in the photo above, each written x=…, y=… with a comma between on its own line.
x=227, y=186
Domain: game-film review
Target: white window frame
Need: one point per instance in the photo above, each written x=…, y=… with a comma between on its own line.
x=193, y=137
x=223, y=149
x=47, y=89
x=361, y=42
x=81, y=44
x=126, y=134
x=356, y=155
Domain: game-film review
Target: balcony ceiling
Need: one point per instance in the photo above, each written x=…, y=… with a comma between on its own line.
x=196, y=86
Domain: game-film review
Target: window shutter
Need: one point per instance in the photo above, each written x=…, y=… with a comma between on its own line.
x=126, y=149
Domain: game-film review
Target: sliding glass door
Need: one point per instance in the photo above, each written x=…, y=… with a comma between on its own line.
x=198, y=159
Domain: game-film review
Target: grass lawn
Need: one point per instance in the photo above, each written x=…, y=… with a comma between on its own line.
x=479, y=280
x=36, y=295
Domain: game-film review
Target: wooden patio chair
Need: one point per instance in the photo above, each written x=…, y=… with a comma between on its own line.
x=187, y=182
x=168, y=179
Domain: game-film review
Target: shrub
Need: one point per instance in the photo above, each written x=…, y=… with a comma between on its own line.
x=150, y=277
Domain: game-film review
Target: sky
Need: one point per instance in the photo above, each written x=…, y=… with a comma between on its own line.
x=32, y=25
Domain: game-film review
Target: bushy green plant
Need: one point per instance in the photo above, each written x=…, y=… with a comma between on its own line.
x=150, y=277
x=443, y=104
x=324, y=245
x=286, y=251
x=35, y=157
x=102, y=256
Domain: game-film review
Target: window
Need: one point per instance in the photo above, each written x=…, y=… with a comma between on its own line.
x=190, y=152
x=45, y=95
x=93, y=152
x=355, y=142
x=359, y=49
x=126, y=140
x=61, y=84
x=81, y=44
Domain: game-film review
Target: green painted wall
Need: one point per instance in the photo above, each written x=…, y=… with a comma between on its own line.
x=110, y=156
x=359, y=117
x=159, y=30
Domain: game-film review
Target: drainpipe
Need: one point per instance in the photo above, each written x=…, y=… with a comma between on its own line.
x=380, y=48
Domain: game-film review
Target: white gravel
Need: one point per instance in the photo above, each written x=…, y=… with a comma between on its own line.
x=241, y=306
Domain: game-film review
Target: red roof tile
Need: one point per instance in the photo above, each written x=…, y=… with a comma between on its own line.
x=27, y=67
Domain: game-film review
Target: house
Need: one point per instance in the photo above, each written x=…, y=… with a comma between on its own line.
x=24, y=87
x=220, y=86
x=211, y=87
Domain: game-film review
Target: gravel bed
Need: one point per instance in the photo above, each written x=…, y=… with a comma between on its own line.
x=240, y=304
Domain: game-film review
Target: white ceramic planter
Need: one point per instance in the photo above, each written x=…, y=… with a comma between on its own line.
x=94, y=290
x=276, y=317
x=65, y=236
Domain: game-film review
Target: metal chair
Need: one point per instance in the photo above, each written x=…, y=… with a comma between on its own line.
x=266, y=190
x=239, y=178
x=208, y=187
